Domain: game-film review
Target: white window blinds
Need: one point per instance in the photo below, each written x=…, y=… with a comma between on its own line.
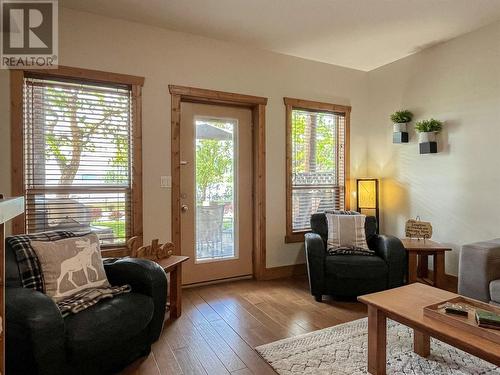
x=317, y=164
x=78, y=158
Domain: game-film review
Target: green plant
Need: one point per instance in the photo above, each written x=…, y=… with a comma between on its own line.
x=400, y=117
x=214, y=160
x=426, y=126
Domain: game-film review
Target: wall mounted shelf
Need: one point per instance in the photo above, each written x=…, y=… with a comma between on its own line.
x=428, y=147
x=400, y=137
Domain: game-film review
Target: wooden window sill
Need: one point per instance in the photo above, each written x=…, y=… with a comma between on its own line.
x=295, y=237
x=115, y=252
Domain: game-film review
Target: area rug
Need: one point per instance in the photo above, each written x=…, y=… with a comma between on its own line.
x=343, y=349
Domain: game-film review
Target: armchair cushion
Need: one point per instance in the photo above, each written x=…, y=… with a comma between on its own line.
x=355, y=267
x=319, y=225
x=347, y=233
x=70, y=265
x=99, y=330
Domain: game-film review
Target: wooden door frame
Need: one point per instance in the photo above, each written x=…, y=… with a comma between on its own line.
x=257, y=105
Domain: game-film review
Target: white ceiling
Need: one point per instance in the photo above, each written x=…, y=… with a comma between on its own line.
x=360, y=34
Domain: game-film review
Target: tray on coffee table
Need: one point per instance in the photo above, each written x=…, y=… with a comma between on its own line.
x=467, y=323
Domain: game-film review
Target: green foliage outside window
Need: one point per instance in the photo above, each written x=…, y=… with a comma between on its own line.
x=313, y=142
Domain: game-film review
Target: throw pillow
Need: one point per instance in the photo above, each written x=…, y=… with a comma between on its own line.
x=70, y=265
x=346, y=235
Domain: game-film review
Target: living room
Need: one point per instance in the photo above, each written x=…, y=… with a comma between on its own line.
x=223, y=140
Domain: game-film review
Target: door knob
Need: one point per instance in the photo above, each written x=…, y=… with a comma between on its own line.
x=184, y=208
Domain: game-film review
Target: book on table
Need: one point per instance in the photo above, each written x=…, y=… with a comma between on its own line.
x=487, y=319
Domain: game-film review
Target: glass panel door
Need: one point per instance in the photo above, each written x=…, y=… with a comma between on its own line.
x=216, y=197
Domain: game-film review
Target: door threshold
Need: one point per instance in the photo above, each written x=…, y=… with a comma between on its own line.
x=218, y=281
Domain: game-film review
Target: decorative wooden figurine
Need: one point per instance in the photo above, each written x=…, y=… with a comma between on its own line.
x=154, y=251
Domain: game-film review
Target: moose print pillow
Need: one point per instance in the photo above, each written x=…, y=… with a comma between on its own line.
x=70, y=265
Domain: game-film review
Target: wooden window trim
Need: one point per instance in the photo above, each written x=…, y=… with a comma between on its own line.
x=135, y=83
x=291, y=104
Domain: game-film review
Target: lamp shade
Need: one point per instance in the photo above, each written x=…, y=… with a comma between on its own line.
x=367, y=193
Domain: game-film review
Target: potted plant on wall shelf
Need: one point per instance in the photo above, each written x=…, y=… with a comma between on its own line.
x=400, y=120
x=427, y=130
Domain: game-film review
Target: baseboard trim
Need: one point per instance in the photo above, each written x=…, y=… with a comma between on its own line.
x=217, y=281
x=283, y=272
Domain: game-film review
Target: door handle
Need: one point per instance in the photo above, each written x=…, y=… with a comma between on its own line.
x=184, y=162
x=184, y=208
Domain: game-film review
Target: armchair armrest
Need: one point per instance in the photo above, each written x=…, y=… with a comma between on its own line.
x=315, y=259
x=391, y=249
x=34, y=333
x=479, y=265
x=145, y=277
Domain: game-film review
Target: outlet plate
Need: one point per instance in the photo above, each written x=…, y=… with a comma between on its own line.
x=166, y=181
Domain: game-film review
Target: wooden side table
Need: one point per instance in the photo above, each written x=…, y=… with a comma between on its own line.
x=173, y=265
x=419, y=267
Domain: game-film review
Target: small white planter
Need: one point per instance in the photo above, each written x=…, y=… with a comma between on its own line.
x=425, y=137
x=399, y=127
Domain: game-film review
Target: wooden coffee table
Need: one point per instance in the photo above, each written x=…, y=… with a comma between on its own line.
x=423, y=249
x=173, y=265
x=406, y=306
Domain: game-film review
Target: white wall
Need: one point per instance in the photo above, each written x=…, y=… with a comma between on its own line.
x=457, y=189
x=164, y=57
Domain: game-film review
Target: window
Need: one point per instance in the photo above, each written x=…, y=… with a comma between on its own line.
x=80, y=160
x=317, y=162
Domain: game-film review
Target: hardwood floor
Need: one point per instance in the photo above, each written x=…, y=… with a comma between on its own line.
x=221, y=324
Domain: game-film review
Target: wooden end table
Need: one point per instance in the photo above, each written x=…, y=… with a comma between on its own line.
x=406, y=306
x=418, y=258
x=173, y=265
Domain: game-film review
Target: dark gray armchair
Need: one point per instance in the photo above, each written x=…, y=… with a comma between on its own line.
x=102, y=339
x=353, y=275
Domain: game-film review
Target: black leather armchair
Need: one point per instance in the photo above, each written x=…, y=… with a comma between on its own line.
x=99, y=340
x=353, y=275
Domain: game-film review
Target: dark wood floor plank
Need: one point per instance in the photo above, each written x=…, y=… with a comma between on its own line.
x=200, y=348
x=243, y=308
x=201, y=305
x=173, y=337
x=226, y=355
x=246, y=353
x=188, y=362
x=244, y=371
x=165, y=358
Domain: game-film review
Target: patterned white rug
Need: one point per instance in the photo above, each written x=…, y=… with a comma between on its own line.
x=343, y=349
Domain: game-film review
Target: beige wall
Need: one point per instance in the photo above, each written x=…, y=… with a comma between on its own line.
x=456, y=189
x=165, y=57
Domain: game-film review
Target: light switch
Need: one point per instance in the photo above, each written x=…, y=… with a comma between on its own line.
x=166, y=181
